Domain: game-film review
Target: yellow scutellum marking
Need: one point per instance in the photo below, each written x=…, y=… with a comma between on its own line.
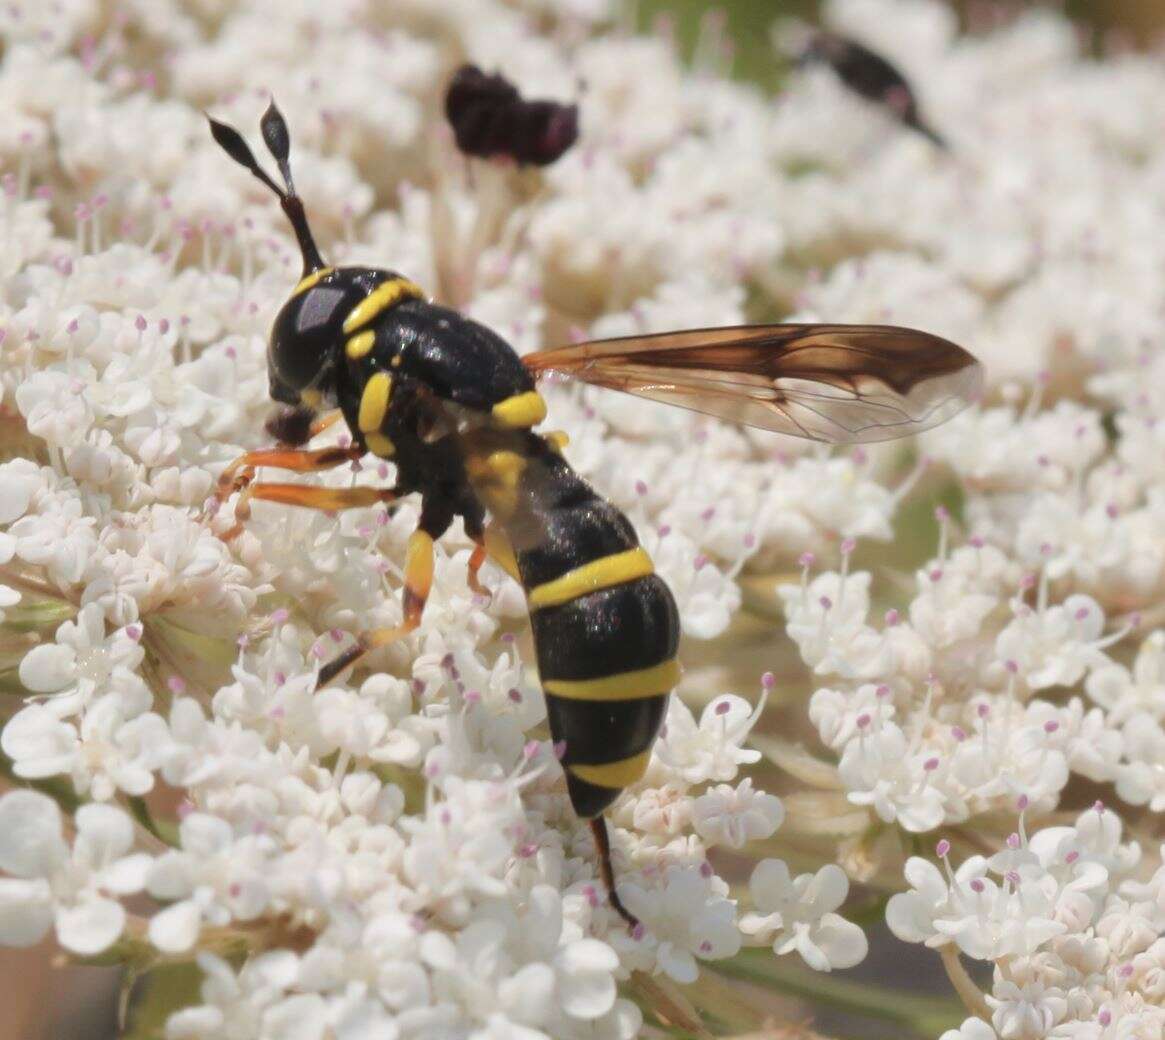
x=308, y=281
x=381, y=298
x=498, y=546
x=558, y=440
x=614, y=774
x=590, y=577
x=312, y=398
x=380, y=445
x=374, y=402
x=520, y=411
x=360, y=344
x=626, y=686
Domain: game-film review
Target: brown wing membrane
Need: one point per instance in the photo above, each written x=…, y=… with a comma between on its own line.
x=834, y=383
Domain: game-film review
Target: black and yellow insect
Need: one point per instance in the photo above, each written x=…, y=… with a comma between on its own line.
x=454, y=407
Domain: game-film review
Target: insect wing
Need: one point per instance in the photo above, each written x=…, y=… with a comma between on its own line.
x=834, y=383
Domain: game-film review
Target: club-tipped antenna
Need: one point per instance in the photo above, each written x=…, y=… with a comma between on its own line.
x=231, y=142
x=278, y=141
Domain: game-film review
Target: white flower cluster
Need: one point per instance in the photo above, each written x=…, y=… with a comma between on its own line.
x=396, y=856
x=1070, y=920
x=1024, y=664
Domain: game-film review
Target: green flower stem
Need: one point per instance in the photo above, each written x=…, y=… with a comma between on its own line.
x=163, y=830
x=924, y=1016
x=968, y=992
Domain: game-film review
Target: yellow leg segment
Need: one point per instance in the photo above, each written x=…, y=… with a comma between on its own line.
x=418, y=583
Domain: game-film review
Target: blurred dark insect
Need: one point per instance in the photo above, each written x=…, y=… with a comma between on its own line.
x=872, y=76
x=490, y=118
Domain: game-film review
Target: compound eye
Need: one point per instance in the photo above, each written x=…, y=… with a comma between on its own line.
x=305, y=335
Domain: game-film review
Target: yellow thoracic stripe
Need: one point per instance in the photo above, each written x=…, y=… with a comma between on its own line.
x=360, y=344
x=614, y=774
x=381, y=298
x=374, y=402
x=308, y=281
x=520, y=411
x=624, y=686
x=590, y=577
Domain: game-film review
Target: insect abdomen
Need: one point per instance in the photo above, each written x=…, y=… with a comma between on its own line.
x=606, y=632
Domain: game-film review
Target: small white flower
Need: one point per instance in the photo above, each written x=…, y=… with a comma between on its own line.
x=214, y=879
x=104, y=753
x=971, y=1029
x=711, y=749
x=684, y=918
x=798, y=914
x=1056, y=646
x=882, y=771
x=724, y=815
x=55, y=887
x=83, y=664
x=1025, y=1012
x=1122, y=693
x=234, y=1004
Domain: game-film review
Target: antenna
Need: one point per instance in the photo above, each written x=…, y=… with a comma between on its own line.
x=278, y=141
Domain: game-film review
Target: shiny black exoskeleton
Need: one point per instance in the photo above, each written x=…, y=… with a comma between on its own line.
x=453, y=406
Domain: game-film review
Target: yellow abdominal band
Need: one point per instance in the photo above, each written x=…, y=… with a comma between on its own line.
x=614, y=774
x=625, y=686
x=591, y=577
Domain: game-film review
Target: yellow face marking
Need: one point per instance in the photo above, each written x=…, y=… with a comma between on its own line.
x=614, y=774
x=497, y=545
x=520, y=411
x=310, y=280
x=360, y=344
x=374, y=402
x=626, y=686
x=312, y=398
x=380, y=299
x=380, y=445
x=590, y=577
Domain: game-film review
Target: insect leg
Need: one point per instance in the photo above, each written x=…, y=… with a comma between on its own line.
x=418, y=581
x=606, y=871
x=240, y=472
x=475, y=528
x=324, y=422
x=329, y=500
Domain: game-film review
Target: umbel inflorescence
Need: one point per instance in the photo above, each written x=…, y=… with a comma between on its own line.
x=395, y=855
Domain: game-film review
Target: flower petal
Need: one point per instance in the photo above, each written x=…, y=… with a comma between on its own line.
x=175, y=929
x=26, y=911
x=91, y=926
x=31, y=842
